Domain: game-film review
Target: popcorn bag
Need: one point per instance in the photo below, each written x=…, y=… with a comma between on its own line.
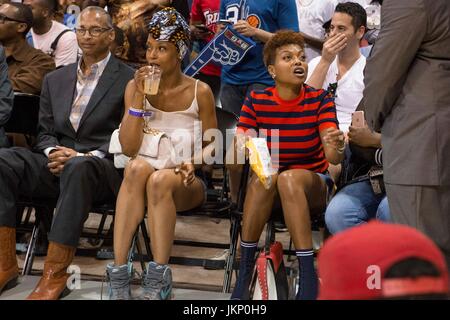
x=260, y=160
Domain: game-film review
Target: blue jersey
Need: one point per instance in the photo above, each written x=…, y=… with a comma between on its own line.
x=269, y=15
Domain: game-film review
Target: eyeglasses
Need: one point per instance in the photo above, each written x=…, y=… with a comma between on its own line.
x=94, y=31
x=4, y=18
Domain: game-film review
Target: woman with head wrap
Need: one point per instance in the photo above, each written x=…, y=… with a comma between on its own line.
x=177, y=110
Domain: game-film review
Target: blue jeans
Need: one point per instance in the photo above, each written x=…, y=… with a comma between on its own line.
x=355, y=204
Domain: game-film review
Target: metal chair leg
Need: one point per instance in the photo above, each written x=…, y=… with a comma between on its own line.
x=101, y=225
x=29, y=257
x=148, y=248
x=136, y=247
x=290, y=250
x=131, y=251
x=140, y=253
x=29, y=210
x=234, y=236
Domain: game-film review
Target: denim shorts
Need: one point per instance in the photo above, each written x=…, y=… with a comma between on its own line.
x=329, y=182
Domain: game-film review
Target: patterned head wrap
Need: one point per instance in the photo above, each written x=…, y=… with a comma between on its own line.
x=168, y=25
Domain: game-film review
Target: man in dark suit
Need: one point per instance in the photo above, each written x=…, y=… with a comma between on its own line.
x=407, y=96
x=81, y=105
x=6, y=97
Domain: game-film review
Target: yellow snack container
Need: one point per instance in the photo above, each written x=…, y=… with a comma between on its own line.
x=260, y=160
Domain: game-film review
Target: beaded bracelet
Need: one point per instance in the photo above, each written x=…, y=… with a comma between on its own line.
x=139, y=113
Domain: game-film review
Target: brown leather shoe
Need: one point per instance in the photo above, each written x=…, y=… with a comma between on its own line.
x=9, y=270
x=53, y=283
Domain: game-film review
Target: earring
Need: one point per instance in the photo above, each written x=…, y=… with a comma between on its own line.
x=273, y=75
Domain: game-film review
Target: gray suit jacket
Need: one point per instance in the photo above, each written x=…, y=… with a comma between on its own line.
x=100, y=118
x=407, y=92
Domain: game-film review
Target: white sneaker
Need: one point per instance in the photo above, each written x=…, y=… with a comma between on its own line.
x=222, y=255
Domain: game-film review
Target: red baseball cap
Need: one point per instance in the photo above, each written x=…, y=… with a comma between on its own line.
x=353, y=263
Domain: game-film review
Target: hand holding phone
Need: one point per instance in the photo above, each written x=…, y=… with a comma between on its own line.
x=358, y=119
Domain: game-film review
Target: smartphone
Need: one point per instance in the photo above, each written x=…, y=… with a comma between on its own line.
x=358, y=119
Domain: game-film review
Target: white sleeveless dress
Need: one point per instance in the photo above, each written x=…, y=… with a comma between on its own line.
x=182, y=127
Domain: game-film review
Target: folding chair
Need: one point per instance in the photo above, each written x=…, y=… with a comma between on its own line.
x=43, y=219
x=218, y=204
x=317, y=223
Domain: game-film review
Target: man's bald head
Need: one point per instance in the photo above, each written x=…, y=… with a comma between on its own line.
x=100, y=13
x=21, y=13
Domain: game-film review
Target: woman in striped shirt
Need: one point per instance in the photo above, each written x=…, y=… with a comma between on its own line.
x=301, y=129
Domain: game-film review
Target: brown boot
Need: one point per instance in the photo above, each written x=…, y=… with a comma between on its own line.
x=9, y=271
x=53, y=282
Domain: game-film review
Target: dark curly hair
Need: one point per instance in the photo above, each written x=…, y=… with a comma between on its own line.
x=356, y=11
x=281, y=39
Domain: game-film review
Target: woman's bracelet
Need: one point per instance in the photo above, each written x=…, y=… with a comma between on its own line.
x=139, y=113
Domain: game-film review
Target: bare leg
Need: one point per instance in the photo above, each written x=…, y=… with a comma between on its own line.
x=257, y=208
x=166, y=194
x=301, y=190
x=130, y=207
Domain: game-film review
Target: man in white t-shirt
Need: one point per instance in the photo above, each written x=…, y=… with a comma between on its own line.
x=45, y=32
x=340, y=68
x=312, y=15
